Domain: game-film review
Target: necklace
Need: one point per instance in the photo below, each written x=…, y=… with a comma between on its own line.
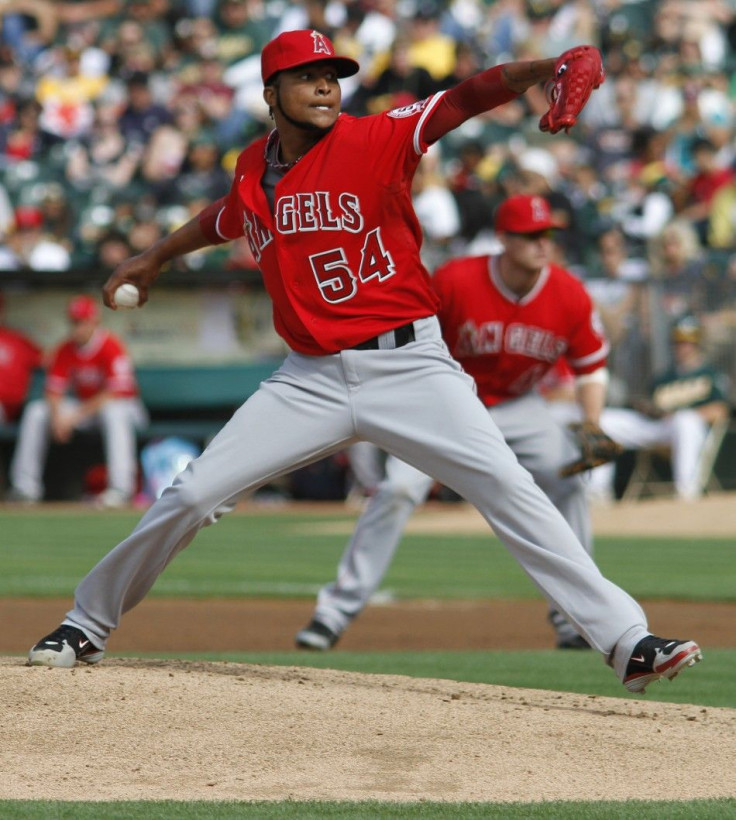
x=271, y=154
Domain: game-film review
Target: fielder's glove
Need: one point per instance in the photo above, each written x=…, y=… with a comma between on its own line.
x=577, y=72
x=596, y=448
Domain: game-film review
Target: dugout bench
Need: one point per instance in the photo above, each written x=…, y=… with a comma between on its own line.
x=192, y=402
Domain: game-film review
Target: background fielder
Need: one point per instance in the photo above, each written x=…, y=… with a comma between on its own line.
x=325, y=201
x=507, y=319
x=90, y=383
x=685, y=401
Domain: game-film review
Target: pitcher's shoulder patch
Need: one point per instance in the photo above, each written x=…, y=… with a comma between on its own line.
x=409, y=110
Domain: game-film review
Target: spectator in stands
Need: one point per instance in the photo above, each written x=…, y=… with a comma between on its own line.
x=617, y=285
x=108, y=158
x=685, y=402
x=207, y=87
x=614, y=118
x=66, y=97
x=467, y=63
x=202, y=176
x=436, y=210
x=93, y=365
x=400, y=83
x=19, y=357
x=693, y=199
x=468, y=183
x=28, y=26
x=242, y=32
x=21, y=136
x=58, y=215
x=155, y=31
x=142, y=115
x=429, y=47
x=677, y=263
x=645, y=207
x=112, y=249
x=686, y=130
x=30, y=245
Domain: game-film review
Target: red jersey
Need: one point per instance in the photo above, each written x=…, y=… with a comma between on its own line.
x=340, y=253
x=18, y=358
x=102, y=364
x=508, y=344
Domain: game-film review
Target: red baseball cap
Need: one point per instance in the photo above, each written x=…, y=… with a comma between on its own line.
x=524, y=214
x=294, y=48
x=26, y=216
x=83, y=309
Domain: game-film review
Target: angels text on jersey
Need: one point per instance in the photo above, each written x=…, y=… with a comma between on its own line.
x=495, y=337
x=337, y=277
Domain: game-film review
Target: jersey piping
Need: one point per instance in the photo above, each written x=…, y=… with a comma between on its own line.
x=418, y=139
x=507, y=293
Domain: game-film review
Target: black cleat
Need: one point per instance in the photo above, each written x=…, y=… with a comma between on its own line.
x=64, y=647
x=654, y=658
x=316, y=636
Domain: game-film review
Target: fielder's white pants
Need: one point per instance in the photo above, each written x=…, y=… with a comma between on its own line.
x=366, y=464
x=684, y=431
x=117, y=420
x=540, y=444
x=414, y=402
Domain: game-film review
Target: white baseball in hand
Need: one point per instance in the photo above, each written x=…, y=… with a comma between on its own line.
x=126, y=296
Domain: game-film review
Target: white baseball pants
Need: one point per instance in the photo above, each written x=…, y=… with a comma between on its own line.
x=414, y=402
x=542, y=447
x=685, y=431
x=117, y=420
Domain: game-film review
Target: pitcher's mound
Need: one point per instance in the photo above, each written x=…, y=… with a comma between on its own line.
x=170, y=730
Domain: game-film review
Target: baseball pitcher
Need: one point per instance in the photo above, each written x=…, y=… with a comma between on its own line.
x=325, y=202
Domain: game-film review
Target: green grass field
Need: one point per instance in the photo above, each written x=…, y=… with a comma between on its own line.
x=45, y=554
x=370, y=810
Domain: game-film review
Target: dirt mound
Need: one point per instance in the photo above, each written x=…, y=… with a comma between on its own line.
x=193, y=731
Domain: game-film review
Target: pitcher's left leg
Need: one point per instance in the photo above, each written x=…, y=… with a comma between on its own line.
x=444, y=431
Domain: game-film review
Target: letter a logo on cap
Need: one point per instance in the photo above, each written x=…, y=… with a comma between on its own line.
x=320, y=44
x=540, y=210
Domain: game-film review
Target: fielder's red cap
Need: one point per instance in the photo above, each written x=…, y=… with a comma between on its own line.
x=83, y=309
x=524, y=214
x=301, y=47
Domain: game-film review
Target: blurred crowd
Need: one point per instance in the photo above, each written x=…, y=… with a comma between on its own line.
x=119, y=119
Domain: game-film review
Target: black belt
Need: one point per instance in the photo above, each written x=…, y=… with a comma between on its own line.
x=402, y=336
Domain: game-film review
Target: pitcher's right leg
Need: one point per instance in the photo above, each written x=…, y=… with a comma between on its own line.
x=298, y=416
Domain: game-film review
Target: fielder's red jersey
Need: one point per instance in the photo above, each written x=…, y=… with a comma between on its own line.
x=102, y=364
x=18, y=358
x=340, y=253
x=508, y=344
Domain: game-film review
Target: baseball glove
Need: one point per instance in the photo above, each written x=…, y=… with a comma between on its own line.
x=596, y=448
x=577, y=72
